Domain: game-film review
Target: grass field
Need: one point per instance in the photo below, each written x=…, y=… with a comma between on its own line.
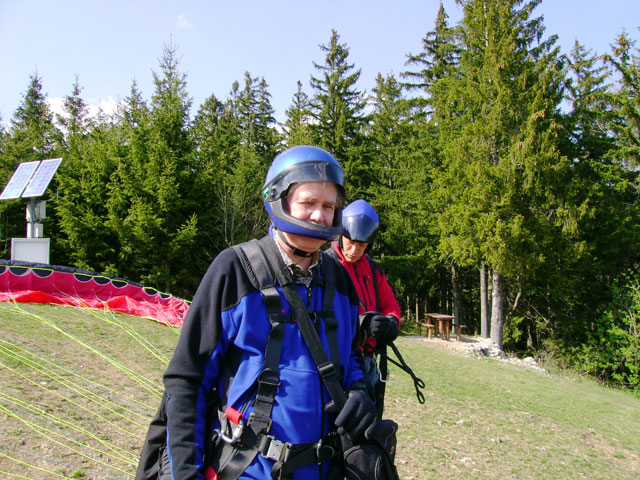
x=78, y=387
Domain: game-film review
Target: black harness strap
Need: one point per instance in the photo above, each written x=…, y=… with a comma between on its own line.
x=380, y=386
x=232, y=459
x=261, y=275
x=418, y=383
x=330, y=322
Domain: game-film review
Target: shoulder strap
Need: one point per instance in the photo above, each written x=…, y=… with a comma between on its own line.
x=261, y=276
x=381, y=385
x=329, y=268
x=326, y=368
x=332, y=253
x=230, y=461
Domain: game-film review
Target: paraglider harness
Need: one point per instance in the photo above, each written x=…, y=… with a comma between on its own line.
x=235, y=445
x=381, y=351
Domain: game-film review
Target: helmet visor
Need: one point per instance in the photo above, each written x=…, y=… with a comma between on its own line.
x=360, y=228
x=303, y=172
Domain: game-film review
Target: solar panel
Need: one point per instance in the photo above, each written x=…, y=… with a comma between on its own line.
x=19, y=180
x=40, y=180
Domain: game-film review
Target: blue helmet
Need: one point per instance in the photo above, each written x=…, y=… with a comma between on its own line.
x=360, y=222
x=303, y=163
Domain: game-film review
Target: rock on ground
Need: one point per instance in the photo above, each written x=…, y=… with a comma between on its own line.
x=482, y=348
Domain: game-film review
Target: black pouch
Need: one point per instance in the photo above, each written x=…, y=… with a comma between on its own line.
x=373, y=457
x=154, y=458
x=164, y=468
x=151, y=458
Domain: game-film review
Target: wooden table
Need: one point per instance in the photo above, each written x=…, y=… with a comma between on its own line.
x=442, y=324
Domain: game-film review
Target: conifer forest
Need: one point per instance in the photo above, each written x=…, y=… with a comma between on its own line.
x=506, y=174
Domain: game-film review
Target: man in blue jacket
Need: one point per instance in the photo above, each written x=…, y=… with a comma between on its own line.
x=225, y=334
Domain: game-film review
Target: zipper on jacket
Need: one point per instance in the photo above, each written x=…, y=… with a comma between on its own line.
x=364, y=287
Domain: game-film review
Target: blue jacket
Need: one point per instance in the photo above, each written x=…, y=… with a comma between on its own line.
x=224, y=337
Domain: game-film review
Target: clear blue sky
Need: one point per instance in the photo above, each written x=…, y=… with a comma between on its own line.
x=108, y=44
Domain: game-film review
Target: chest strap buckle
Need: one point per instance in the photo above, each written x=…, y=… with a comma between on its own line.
x=273, y=449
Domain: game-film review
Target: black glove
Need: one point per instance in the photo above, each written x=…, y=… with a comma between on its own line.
x=357, y=415
x=384, y=329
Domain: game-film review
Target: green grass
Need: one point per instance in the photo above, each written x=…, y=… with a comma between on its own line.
x=78, y=387
x=489, y=419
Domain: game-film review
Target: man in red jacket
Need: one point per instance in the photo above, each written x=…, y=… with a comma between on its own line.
x=379, y=309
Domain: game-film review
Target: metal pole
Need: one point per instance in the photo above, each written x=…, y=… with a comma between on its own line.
x=31, y=218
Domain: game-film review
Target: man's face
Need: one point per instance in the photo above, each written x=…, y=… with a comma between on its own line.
x=313, y=202
x=353, y=251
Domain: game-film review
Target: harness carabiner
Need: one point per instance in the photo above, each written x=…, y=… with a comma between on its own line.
x=234, y=418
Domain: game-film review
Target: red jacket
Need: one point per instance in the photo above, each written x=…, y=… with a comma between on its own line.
x=362, y=277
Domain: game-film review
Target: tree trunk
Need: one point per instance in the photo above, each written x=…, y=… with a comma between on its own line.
x=444, y=288
x=408, y=307
x=484, y=302
x=458, y=309
x=497, y=310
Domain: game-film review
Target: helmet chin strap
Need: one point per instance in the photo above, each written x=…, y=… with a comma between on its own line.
x=296, y=251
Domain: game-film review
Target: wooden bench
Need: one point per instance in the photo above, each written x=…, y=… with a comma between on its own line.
x=458, y=328
x=429, y=326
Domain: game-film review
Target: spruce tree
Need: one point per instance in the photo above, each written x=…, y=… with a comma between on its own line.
x=235, y=142
x=600, y=220
x=437, y=60
x=338, y=112
x=165, y=209
x=96, y=182
x=401, y=151
x=591, y=113
x=258, y=145
x=400, y=175
x=498, y=120
x=86, y=182
x=75, y=125
x=152, y=204
x=216, y=137
x=625, y=60
x=297, y=126
x=431, y=68
x=75, y=121
x=32, y=131
x=32, y=135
